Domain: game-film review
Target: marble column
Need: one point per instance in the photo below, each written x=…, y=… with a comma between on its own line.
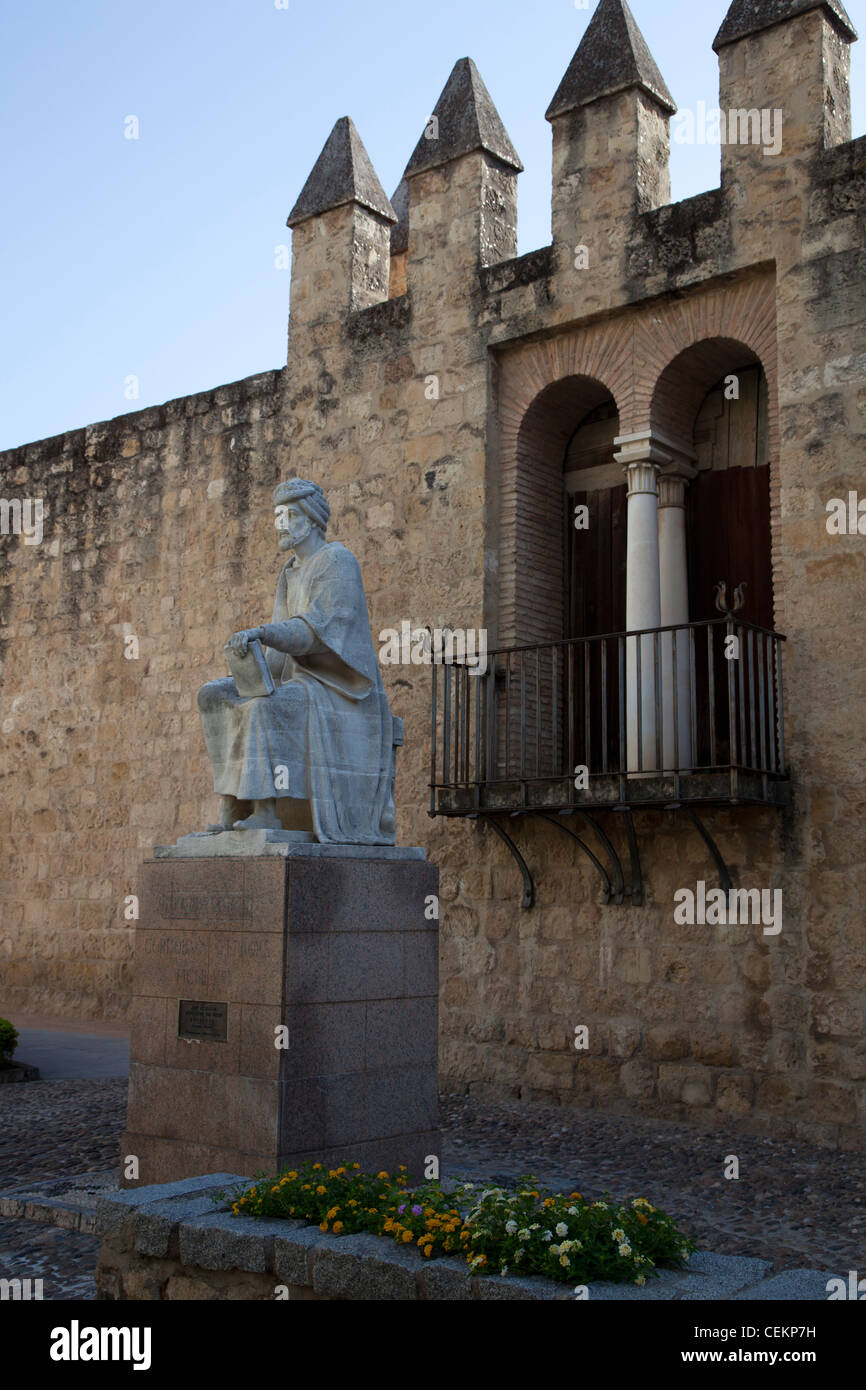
x=642, y=461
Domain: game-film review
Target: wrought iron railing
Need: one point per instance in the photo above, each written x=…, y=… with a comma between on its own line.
x=684, y=714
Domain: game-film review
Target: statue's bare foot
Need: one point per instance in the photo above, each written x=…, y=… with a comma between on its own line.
x=226, y=821
x=259, y=821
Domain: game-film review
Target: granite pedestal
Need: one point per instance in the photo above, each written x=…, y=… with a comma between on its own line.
x=335, y=947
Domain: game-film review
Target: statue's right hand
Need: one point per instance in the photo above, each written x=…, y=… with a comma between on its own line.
x=239, y=641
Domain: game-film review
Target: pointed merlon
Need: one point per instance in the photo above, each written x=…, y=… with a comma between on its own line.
x=751, y=16
x=400, y=232
x=342, y=174
x=612, y=57
x=464, y=119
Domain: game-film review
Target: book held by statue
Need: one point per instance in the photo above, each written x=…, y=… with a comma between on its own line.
x=252, y=674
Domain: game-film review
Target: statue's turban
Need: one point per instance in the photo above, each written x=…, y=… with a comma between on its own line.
x=308, y=496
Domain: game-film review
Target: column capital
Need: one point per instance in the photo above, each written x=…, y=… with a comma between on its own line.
x=642, y=476
x=672, y=490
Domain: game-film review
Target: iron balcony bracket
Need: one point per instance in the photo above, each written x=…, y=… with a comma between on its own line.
x=615, y=889
x=636, y=889
x=605, y=877
x=724, y=876
x=528, y=884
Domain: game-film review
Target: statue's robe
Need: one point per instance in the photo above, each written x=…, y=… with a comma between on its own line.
x=325, y=734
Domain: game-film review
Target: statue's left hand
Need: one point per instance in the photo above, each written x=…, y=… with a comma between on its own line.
x=239, y=641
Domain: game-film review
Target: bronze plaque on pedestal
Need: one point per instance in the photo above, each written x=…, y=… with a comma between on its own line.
x=199, y=1018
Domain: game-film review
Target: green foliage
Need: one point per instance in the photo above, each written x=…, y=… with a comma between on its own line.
x=8, y=1042
x=526, y=1229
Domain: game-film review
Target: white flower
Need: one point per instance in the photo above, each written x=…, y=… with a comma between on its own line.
x=535, y=1226
x=562, y=1229
x=572, y=1211
x=523, y=1235
x=640, y=1280
x=510, y=1227
x=547, y=1235
x=518, y=1254
x=504, y=1269
x=555, y=1249
x=564, y=1261
x=602, y=1206
x=625, y=1248
x=618, y=1234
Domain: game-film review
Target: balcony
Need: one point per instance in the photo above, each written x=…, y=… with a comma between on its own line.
x=671, y=718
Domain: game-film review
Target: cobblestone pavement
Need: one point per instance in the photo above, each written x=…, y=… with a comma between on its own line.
x=50, y=1129
x=63, y=1260
x=794, y=1204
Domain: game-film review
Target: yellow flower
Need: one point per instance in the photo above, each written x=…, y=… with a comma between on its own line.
x=293, y=1175
x=323, y=1226
x=340, y=1172
x=332, y=1172
x=383, y=1176
x=338, y=1226
x=320, y=1191
x=407, y=1235
x=549, y=1202
x=316, y=1167
x=428, y=1250
x=275, y=1189
x=356, y=1165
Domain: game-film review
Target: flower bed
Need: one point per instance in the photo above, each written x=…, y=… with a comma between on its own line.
x=526, y=1229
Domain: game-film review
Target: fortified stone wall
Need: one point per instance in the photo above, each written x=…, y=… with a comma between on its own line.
x=408, y=411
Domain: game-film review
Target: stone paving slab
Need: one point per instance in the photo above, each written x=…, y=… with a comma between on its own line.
x=791, y=1286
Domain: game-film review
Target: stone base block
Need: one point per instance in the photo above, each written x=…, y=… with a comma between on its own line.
x=284, y=1008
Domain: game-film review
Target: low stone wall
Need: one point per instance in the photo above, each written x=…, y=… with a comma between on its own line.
x=171, y=1242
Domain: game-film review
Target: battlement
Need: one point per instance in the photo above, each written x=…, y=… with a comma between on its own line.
x=783, y=95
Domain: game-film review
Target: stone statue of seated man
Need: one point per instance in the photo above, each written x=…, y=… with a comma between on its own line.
x=325, y=736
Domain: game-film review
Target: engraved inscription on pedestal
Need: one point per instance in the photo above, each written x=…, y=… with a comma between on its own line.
x=199, y=1018
x=174, y=906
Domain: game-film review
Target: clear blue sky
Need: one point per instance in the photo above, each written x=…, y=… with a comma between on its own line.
x=155, y=257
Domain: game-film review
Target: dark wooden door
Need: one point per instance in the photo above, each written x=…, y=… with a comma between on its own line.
x=595, y=608
x=728, y=513
x=729, y=539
